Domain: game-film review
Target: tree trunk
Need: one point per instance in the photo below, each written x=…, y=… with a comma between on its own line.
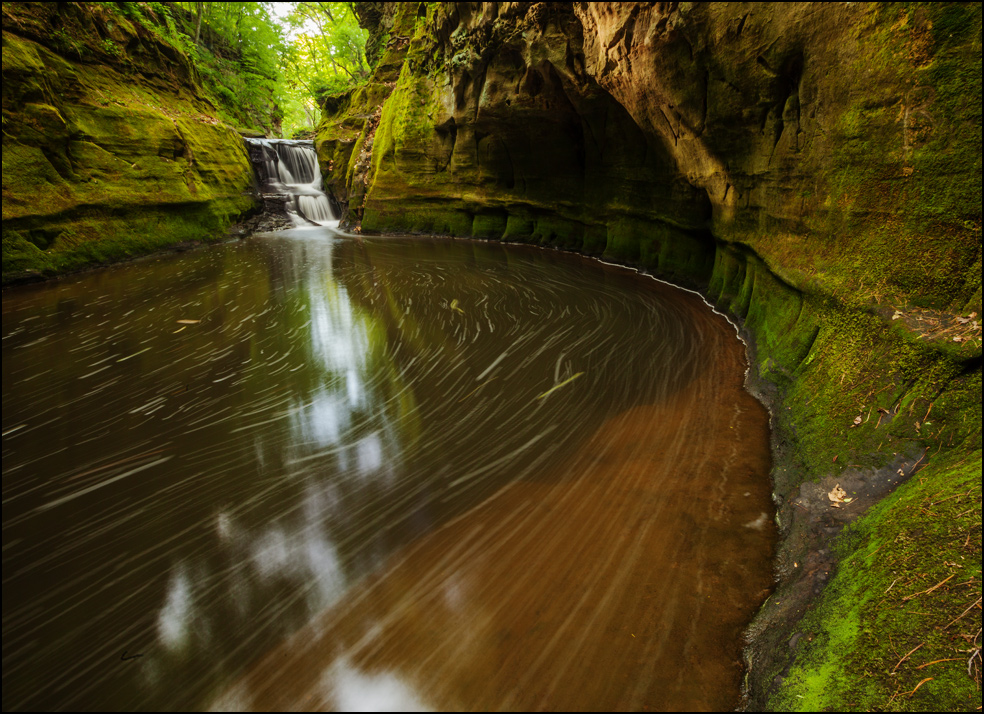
x=198, y=26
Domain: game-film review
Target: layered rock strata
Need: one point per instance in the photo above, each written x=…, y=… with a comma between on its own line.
x=108, y=149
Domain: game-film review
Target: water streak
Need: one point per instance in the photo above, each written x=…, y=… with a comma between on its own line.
x=307, y=472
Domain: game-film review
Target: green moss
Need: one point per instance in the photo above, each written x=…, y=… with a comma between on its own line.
x=519, y=226
x=489, y=225
x=892, y=626
x=418, y=217
x=558, y=231
x=21, y=255
x=833, y=363
x=98, y=166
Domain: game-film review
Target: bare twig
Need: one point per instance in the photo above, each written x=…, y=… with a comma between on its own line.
x=943, y=500
x=937, y=661
x=926, y=592
x=906, y=656
x=928, y=679
x=913, y=469
x=927, y=414
x=977, y=602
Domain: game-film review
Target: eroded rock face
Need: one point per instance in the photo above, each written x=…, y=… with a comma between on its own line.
x=800, y=130
x=810, y=127
x=495, y=130
x=107, y=151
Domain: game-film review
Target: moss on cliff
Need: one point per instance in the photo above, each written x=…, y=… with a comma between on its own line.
x=103, y=160
x=859, y=398
x=908, y=633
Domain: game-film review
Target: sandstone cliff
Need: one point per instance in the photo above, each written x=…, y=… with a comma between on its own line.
x=816, y=169
x=108, y=149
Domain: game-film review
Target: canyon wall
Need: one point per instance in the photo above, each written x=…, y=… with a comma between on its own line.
x=109, y=150
x=816, y=170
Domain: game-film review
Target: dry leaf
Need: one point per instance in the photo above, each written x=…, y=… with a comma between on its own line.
x=838, y=496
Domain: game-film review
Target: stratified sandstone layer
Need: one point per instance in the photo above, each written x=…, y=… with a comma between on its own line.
x=108, y=149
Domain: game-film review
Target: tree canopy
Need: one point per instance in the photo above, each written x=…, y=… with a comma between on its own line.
x=271, y=64
x=324, y=55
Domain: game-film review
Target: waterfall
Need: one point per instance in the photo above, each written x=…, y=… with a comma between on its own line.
x=290, y=168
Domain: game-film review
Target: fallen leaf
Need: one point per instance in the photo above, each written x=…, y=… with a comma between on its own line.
x=837, y=494
x=897, y=315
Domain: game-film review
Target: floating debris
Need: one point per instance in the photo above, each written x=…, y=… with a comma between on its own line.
x=558, y=386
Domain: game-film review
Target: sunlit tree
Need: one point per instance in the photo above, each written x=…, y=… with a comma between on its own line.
x=325, y=55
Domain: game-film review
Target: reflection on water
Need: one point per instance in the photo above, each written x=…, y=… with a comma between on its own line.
x=279, y=455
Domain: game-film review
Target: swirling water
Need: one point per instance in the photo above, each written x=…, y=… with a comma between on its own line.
x=304, y=471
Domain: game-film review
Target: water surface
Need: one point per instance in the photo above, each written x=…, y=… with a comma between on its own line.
x=302, y=471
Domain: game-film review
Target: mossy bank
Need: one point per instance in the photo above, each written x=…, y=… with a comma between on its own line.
x=815, y=169
x=109, y=149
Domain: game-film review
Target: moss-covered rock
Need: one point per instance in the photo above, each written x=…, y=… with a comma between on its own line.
x=841, y=142
x=106, y=157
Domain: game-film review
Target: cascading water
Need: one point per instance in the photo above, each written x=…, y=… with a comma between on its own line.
x=290, y=169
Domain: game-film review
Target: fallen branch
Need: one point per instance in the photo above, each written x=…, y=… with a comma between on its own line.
x=956, y=495
x=927, y=414
x=928, y=679
x=913, y=469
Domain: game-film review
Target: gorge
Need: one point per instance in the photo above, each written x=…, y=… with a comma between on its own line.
x=814, y=170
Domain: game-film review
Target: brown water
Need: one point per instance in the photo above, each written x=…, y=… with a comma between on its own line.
x=384, y=474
